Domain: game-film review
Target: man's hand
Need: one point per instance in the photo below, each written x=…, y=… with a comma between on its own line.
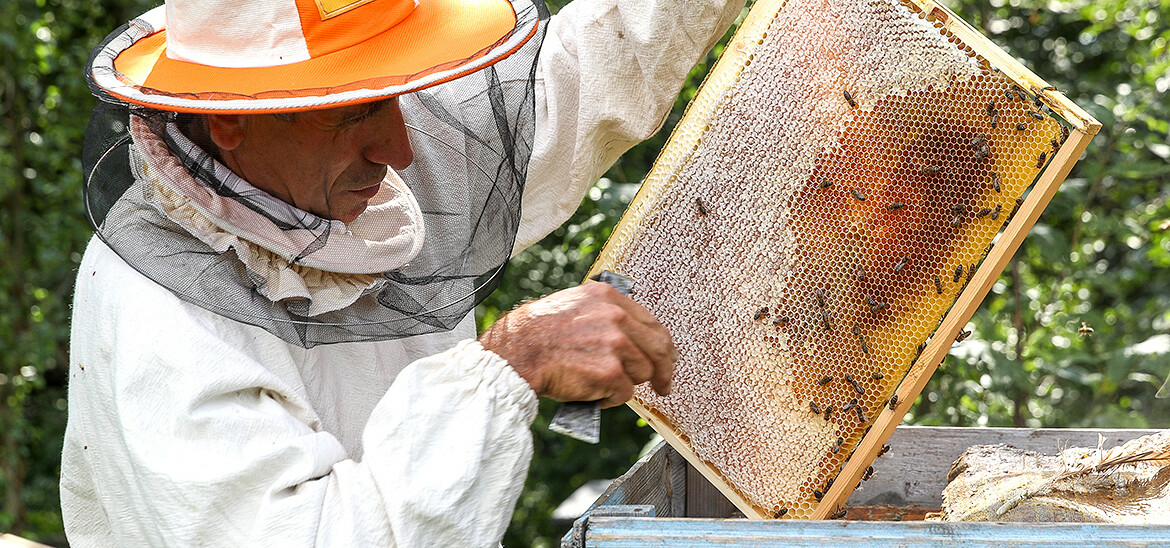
x=583, y=344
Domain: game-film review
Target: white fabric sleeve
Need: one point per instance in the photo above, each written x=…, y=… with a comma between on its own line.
x=607, y=76
x=187, y=429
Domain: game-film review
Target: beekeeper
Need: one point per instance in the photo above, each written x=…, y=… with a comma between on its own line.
x=297, y=204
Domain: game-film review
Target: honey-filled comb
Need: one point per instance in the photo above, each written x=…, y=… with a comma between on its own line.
x=841, y=194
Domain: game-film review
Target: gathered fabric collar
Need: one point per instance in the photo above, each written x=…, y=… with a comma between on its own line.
x=290, y=254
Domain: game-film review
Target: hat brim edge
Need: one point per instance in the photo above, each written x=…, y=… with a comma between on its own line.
x=104, y=79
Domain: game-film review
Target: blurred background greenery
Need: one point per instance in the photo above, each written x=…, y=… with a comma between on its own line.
x=1099, y=255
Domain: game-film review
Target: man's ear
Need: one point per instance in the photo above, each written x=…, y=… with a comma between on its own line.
x=226, y=130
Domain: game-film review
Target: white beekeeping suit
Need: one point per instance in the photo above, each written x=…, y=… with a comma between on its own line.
x=188, y=428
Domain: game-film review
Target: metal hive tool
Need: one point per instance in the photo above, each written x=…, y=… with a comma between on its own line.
x=841, y=194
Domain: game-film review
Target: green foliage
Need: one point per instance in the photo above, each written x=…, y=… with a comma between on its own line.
x=1099, y=255
x=44, y=105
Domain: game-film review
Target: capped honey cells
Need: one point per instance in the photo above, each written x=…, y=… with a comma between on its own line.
x=852, y=197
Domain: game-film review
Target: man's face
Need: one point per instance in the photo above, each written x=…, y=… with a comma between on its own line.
x=327, y=162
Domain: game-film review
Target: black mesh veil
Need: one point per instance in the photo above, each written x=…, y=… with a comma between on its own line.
x=472, y=139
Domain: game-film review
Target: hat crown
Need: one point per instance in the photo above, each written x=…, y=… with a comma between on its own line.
x=264, y=33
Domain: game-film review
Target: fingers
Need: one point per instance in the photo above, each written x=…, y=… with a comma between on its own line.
x=585, y=343
x=635, y=310
x=650, y=355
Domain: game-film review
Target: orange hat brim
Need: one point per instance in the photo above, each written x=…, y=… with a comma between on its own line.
x=439, y=41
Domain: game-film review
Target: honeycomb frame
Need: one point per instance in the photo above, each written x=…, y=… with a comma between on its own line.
x=963, y=292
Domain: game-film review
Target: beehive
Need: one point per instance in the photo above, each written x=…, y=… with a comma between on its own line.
x=840, y=195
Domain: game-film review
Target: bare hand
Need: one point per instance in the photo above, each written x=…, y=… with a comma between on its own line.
x=583, y=344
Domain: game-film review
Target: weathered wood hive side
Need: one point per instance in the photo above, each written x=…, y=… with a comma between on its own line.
x=839, y=197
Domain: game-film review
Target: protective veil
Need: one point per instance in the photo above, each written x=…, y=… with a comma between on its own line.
x=433, y=243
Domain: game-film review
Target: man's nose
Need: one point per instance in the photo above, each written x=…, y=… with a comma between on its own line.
x=392, y=145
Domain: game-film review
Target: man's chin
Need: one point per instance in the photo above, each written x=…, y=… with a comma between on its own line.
x=353, y=213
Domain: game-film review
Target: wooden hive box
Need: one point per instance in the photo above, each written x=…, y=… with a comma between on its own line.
x=663, y=501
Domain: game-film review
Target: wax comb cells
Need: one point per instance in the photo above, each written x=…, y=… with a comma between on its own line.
x=831, y=191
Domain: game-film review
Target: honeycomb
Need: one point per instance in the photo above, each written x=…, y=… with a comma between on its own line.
x=837, y=182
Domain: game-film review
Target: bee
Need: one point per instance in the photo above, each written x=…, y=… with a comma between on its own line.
x=829, y=411
x=878, y=376
x=958, y=220
x=1023, y=96
x=962, y=336
x=840, y=440
x=958, y=208
x=868, y=474
x=849, y=378
x=895, y=206
x=984, y=212
x=835, y=449
x=995, y=214
x=979, y=155
x=885, y=449
x=921, y=347
x=994, y=120
x=931, y=170
x=780, y=320
x=995, y=181
x=991, y=108
x=857, y=333
x=893, y=402
x=702, y=206
x=1085, y=330
x=1064, y=133
x=826, y=183
x=829, y=484
x=978, y=141
x=1010, y=96
x=985, y=151
x=938, y=284
x=818, y=495
x=825, y=380
x=760, y=314
x=970, y=272
x=857, y=194
x=1036, y=115
x=860, y=414
x=840, y=513
x=825, y=320
x=820, y=295
x=877, y=307
x=1021, y=126
x=849, y=98
x=860, y=273
x=1041, y=159
x=779, y=513
x=958, y=273
x=850, y=405
x=815, y=408
x=1055, y=146
x=901, y=264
